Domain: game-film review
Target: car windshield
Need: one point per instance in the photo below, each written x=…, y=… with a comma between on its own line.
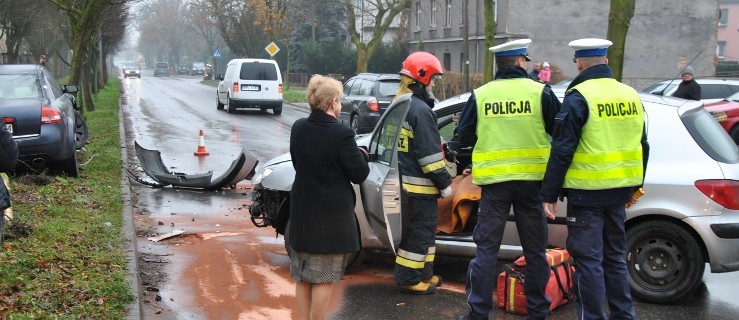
x=710, y=136
x=198, y=65
x=388, y=88
x=733, y=97
x=19, y=86
x=658, y=88
x=129, y=66
x=161, y=65
x=258, y=71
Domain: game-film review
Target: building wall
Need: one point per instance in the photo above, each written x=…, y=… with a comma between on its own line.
x=729, y=32
x=663, y=35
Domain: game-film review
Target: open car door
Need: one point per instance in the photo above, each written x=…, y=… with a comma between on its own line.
x=381, y=191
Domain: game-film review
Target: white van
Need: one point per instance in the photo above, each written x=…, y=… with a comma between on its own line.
x=251, y=83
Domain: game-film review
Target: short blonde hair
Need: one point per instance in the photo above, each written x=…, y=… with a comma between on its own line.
x=321, y=90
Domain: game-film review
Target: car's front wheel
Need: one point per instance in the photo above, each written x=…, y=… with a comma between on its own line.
x=664, y=261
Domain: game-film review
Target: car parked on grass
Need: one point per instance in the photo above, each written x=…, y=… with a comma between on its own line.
x=161, y=69
x=688, y=217
x=42, y=117
x=712, y=89
x=250, y=83
x=131, y=70
x=366, y=96
x=726, y=113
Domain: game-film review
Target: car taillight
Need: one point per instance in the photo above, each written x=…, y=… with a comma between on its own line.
x=49, y=115
x=279, y=88
x=372, y=105
x=723, y=192
x=8, y=120
x=721, y=116
x=236, y=87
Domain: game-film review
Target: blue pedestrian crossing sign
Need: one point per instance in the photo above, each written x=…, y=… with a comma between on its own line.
x=216, y=53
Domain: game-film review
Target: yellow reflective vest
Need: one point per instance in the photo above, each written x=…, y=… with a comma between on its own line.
x=609, y=154
x=512, y=143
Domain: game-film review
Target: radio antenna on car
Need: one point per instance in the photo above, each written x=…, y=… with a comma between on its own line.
x=662, y=93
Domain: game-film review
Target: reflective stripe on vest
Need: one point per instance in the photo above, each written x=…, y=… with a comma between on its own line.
x=511, y=141
x=609, y=154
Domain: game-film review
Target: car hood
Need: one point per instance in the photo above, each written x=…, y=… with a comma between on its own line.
x=285, y=157
x=722, y=106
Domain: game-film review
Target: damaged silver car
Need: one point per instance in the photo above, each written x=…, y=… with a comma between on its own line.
x=688, y=217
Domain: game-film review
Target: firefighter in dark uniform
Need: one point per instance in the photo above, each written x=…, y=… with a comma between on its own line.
x=598, y=160
x=423, y=174
x=508, y=121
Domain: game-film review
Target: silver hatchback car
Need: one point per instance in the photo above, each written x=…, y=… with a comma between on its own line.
x=688, y=217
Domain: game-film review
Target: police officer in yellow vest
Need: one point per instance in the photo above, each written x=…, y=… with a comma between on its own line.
x=599, y=155
x=508, y=121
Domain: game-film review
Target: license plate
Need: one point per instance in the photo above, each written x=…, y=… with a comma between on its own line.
x=10, y=127
x=250, y=88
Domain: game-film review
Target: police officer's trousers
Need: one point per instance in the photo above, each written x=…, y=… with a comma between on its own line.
x=597, y=242
x=495, y=208
x=414, y=261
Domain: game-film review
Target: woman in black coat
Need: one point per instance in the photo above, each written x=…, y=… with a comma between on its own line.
x=8, y=159
x=322, y=230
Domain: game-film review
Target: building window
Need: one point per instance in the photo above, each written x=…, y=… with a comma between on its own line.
x=447, y=62
x=721, y=49
x=418, y=15
x=723, y=18
x=448, y=19
x=433, y=13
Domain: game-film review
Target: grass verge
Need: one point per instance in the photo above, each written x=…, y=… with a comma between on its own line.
x=294, y=94
x=62, y=256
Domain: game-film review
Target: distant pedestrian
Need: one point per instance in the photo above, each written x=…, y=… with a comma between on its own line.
x=534, y=74
x=545, y=74
x=688, y=88
x=509, y=169
x=42, y=60
x=322, y=229
x=599, y=175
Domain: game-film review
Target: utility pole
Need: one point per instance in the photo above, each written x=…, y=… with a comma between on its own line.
x=465, y=45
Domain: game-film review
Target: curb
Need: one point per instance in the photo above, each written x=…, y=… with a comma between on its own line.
x=134, y=311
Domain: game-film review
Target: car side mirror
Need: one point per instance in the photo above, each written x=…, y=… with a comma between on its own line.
x=69, y=88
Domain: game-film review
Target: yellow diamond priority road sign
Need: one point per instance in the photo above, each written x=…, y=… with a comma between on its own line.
x=272, y=49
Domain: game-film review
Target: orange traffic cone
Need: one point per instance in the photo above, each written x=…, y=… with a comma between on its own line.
x=201, y=146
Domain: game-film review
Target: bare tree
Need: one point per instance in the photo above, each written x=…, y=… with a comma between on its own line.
x=203, y=23
x=382, y=13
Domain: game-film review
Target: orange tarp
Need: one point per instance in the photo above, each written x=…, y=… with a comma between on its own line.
x=454, y=211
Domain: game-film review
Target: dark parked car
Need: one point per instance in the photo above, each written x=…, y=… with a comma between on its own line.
x=42, y=117
x=161, y=69
x=366, y=96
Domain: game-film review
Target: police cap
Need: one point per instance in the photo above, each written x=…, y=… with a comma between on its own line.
x=512, y=48
x=590, y=47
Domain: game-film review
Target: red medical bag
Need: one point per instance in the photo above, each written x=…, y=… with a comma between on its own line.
x=510, y=294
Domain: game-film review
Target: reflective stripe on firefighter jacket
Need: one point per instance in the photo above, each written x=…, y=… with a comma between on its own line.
x=420, y=158
x=512, y=143
x=609, y=154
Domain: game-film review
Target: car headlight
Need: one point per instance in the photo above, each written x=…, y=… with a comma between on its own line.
x=261, y=176
x=720, y=116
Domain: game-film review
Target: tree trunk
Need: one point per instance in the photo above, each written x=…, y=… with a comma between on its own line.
x=618, y=26
x=362, y=59
x=490, y=26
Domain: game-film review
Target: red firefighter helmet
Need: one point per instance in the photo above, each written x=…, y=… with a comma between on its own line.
x=422, y=67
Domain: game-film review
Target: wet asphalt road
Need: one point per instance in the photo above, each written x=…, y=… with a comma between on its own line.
x=225, y=268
